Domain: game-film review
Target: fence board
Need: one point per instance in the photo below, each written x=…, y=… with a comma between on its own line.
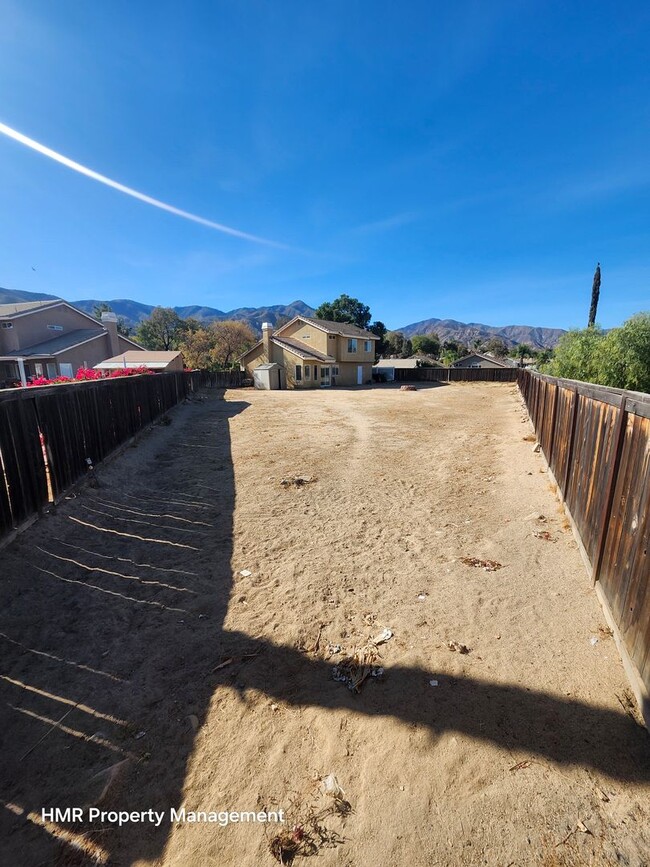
x=76, y=422
x=597, y=443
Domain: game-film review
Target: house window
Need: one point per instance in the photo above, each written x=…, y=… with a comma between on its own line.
x=307, y=372
x=331, y=336
x=315, y=371
x=305, y=336
x=39, y=369
x=352, y=344
x=66, y=369
x=298, y=372
x=367, y=345
x=335, y=371
x=7, y=325
x=55, y=327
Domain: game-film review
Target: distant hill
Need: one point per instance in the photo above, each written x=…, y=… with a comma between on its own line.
x=468, y=332
x=15, y=296
x=447, y=329
x=133, y=312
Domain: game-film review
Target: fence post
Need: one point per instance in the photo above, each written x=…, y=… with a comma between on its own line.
x=610, y=487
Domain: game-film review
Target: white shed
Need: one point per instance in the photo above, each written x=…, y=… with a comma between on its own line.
x=269, y=377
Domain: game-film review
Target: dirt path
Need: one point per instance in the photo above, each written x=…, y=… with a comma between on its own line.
x=175, y=679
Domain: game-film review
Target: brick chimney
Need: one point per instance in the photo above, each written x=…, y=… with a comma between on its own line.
x=267, y=333
x=109, y=321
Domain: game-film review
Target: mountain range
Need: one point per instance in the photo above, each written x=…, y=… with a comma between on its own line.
x=133, y=312
x=468, y=332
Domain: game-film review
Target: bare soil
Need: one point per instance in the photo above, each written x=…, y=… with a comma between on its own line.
x=142, y=670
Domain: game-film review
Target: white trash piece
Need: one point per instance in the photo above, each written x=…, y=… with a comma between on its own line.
x=331, y=787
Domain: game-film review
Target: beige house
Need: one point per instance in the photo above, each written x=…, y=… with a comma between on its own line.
x=314, y=353
x=53, y=338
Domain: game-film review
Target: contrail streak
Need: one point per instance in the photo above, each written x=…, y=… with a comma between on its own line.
x=89, y=173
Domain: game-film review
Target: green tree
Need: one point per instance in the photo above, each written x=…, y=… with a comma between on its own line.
x=164, y=329
x=496, y=346
x=345, y=309
x=218, y=345
x=522, y=351
x=426, y=344
x=624, y=359
x=577, y=354
x=398, y=345
x=378, y=328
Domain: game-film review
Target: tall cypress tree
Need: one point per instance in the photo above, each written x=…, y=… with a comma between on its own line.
x=595, y=294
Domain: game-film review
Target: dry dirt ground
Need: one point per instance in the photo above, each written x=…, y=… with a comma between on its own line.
x=142, y=670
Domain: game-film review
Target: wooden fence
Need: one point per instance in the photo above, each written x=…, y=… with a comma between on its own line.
x=457, y=374
x=49, y=434
x=596, y=441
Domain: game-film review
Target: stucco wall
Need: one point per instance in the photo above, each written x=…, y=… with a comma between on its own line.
x=31, y=328
x=309, y=335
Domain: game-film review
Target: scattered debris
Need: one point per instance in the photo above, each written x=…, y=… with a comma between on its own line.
x=354, y=669
x=602, y=795
x=422, y=596
x=529, y=438
x=330, y=786
x=384, y=636
x=333, y=649
x=298, y=481
x=605, y=632
x=407, y=388
x=369, y=619
x=537, y=448
x=543, y=534
x=593, y=641
x=535, y=516
x=140, y=735
x=583, y=828
x=456, y=646
x=223, y=664
x=433, y=683
x=488, y=565
x=521, y=765
x=245, y=573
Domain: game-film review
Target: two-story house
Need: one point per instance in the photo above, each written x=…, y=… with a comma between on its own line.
x=313, y=353
x=53, y=338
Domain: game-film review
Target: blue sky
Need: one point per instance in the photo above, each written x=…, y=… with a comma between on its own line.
x=470, y=160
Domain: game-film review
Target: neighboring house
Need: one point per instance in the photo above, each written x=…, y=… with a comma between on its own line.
x=313, y=353
x=479, y=361
x=171, y=360
x=53, y=338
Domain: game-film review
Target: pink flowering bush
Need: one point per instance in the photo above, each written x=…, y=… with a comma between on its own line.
x=85, y=374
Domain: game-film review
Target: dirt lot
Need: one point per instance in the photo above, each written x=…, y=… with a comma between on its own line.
x=142, y=670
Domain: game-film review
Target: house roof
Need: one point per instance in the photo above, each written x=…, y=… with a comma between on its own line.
x=298, y=348
x=491, y=358
x=9, y=310
x=139, y=358
x=57, y=345
x=345, y=329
